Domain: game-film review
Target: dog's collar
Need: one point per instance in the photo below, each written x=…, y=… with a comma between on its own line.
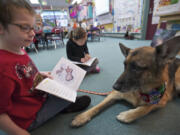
x=154, y=96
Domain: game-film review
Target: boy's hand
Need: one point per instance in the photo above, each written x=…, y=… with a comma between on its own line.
x=39, y=77
x=46, y=74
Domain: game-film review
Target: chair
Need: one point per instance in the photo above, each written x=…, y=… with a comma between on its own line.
x=59, y=33
x=31, y=47
x=94, y=34
x=55, y=36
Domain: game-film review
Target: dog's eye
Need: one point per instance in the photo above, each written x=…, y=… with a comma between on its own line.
x=135, y=67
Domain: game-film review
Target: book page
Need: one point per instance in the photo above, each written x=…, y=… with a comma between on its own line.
x=57, y=89
x=87, y=63
x=68, y=74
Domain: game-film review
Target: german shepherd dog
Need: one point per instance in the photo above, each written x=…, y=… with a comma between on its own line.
x=150, y=79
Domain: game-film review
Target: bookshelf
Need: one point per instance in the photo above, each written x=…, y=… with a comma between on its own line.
x=169, y=17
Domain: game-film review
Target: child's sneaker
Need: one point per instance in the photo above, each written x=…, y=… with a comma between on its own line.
x=81, y=103
x=96, y=70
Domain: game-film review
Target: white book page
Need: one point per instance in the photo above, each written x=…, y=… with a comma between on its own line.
x=57, y=89
x=68, y=74
x=87, y=63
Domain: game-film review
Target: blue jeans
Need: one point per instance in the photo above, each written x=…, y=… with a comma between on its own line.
x=52, y=106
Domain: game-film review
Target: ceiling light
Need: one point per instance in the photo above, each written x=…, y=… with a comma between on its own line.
x=76, y=1
x=44, y=3
x=34, y=1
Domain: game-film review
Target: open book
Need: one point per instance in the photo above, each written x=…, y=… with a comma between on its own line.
x=87, y=63
x=67, y=78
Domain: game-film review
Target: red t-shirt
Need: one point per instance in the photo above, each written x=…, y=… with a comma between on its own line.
x=16, y=80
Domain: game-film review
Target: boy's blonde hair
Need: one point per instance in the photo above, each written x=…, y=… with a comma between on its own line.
x=8, y=8
x=78, y=33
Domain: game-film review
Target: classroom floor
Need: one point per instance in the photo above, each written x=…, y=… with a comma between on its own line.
x=161, y=122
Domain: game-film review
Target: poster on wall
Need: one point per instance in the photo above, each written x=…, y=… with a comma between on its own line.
x=68, y=1
x=73, y=12
x=82, y=14
x=155, y=17
x=54, y=18
x=90, y=11
x=166, y=7
x=126, y=18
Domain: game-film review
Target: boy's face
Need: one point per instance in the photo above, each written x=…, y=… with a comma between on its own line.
x=19, y=32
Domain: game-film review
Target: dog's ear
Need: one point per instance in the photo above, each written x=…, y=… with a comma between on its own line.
x=168, y=49
x=125, y=50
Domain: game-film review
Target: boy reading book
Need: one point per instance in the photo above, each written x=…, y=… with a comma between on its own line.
x=67, y=78
x=22, y=109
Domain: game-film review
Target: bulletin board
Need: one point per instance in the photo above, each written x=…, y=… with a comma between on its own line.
x=128, y=15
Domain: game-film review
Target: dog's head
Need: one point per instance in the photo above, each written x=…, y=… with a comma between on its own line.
x=144, y=66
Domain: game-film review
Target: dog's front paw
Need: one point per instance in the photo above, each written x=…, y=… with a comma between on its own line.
x=80, y=120
x=126, y=117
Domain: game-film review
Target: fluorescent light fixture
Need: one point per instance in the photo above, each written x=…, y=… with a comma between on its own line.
x=76, y=1
x=44, y=3
x=34, y=1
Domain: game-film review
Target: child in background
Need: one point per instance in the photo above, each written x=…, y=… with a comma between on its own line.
x=77, y=50
x=75, y=25
x=22, y=110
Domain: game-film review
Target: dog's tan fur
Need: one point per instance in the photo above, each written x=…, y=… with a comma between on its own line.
x=145, y=57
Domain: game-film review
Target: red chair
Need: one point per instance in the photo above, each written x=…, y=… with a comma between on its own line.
x=56, y=35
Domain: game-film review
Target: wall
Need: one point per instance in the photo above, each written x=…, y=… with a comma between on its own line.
x=151, y=28
x=108, y=27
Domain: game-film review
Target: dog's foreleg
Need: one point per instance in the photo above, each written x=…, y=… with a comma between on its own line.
x=84, y=117
x=131, y=97
x=133, y=114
